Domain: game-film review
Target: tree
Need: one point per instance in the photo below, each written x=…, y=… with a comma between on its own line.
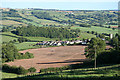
x=97, y=43
x=28, y=55
x=21, y=39
x=4, y=29
x=60, y=37
x=113, y=28
x=109, y=57
x=14, y=69
x=9, y=52
x=13, y=10
x=115, y=42
x=101, y=35
x=48, y=32
x=92, y=32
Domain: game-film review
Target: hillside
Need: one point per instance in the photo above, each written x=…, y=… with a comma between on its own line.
x=50, y=44
x=57, y=18
x=110, y=72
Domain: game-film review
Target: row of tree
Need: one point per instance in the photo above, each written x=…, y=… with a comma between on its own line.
x=17, y=70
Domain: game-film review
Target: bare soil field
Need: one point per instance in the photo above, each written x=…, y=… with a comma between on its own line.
x=52, y=57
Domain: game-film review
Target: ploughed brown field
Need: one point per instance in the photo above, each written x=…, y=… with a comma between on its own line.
x=52, y=57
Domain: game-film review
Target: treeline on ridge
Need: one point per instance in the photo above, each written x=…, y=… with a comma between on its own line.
x=48, y=32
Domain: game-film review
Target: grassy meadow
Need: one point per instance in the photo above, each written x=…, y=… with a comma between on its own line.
x=97, y=29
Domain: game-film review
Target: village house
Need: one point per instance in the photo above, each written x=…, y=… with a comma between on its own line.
x=78, y=41
x=59, y=43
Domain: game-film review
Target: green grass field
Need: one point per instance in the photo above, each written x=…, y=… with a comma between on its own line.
x=7, y=36
x=97, y=29
x=8, y=75
x=101, y=73
x=25, y=45
x=86, y=36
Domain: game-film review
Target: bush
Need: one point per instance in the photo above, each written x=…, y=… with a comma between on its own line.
x=109, y=57
x=14, y=69
x=28, y=55
x=21, y=70
x=32, y=69
x=54, y=69
x=21, y=39
x=4, y=60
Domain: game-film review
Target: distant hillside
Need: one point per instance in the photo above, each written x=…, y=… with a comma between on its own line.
x=57, y=18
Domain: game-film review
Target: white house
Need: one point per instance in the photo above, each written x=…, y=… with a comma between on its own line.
x=67, y=42
x=71, y=42
x=84, y=43
x=59, y=44
x=78, y=41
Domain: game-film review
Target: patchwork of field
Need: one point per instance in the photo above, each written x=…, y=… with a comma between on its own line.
x=52, y=57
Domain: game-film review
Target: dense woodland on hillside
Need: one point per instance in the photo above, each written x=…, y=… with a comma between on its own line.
x=44, y=32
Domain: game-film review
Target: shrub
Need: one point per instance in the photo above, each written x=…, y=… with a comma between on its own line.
x=109, y=57
x=32, y=69
x=21, y=70
x=14, y=69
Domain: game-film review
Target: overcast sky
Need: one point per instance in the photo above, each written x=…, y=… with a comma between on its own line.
x=62, y=4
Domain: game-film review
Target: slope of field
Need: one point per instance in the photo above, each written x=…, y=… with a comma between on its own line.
x=9, y=22
x=7, y=36
x=8, y=75
x=111, y=72
x=52, y=57
x=25, y=45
